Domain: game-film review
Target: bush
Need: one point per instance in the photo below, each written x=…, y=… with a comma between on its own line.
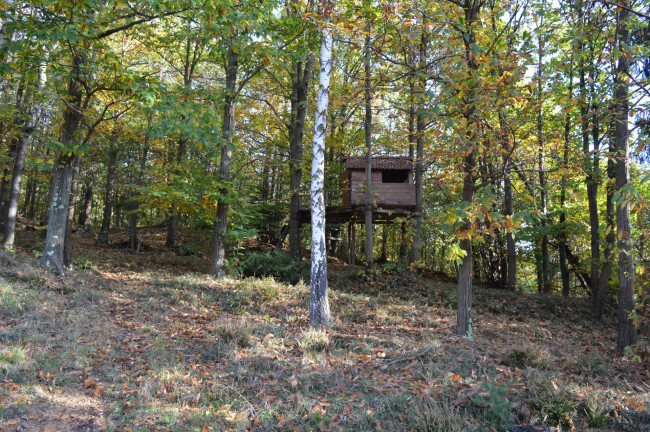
x=279, y=265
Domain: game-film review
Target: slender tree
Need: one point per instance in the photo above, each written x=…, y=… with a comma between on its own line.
x=300, y=79
x=626, y=327
x=218, y=257
x=30, y=121
x=319, y=307
x=367, y=126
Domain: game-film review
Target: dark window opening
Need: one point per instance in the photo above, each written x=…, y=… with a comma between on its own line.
x=395, y=176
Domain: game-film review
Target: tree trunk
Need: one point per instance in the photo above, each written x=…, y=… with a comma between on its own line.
x=464, y=314
x=319, y=308
x=300, y=89
x=29, y=190
x=384, y=244
x=419, y=159
x=111, y=168
x=61, y=180
x=117, y=209
x=31, y=212
x=33, y=115
x=134, y=241
x=591, y=181
x=562, y=237
x=610, y=236
x=368, y=138
x=14, y=194
x=20, y=151
x=545, y=263
x=172, y=220
x=511, y=250
x=5, y=186
x=352, y=246
x=626, y=327
x=87, y=207
x=62, y=174
x=218, y=257
x=403, y=245
x=74, y=187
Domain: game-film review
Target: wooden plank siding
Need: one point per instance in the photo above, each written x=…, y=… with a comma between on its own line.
x=383, y=193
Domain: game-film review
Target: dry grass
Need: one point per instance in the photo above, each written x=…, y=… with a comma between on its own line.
x=124, y=347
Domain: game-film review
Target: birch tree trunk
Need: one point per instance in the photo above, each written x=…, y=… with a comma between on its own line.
x=319, y=308
x=626, y=327
x=218, y=255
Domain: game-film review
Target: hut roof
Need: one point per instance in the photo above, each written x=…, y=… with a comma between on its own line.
x=380, y=162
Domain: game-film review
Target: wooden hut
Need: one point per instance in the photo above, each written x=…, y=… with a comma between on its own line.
x=391, y=182
x=392, y=189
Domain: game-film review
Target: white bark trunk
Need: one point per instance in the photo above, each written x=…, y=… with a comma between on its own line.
x=319, y=309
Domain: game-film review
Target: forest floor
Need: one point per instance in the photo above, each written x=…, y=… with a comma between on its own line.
x=144, y=342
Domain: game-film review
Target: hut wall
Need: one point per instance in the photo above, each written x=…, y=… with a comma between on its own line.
x=383, y=193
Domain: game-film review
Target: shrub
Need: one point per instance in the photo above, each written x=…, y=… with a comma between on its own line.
x=279, y=265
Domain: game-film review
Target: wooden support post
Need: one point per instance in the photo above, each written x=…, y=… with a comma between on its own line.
x=352, y=235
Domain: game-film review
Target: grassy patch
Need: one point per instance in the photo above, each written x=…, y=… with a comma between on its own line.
x=528, y=357
x=14, y=355
x=233, y=331
x=314, y=340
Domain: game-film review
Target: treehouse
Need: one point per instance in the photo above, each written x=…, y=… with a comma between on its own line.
x=391, y=182
x=392, y=190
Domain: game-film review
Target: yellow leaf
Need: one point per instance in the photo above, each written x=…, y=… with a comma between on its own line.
x=455, y=377
x=640, y=147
